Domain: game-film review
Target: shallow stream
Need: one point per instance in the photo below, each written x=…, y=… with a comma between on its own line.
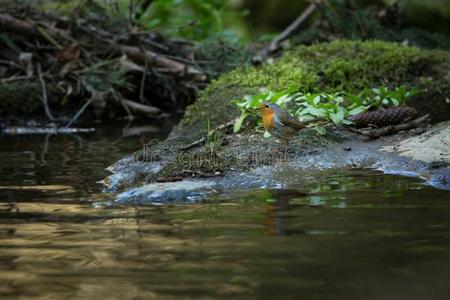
x=354, y=234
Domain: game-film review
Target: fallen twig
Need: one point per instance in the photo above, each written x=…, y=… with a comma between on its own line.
x=145, y=109
x=130, y=115
x=86, y=69
x=161, y=61
x=45, y=34
x=378, y=132
x=14, y=78
x=275, y=44
x=293, y=27
x=82, y=109
x=43, y=130
x=11, y=24
x=203, y=139
x=44, y=94
x=168, y=179
x=144, y=77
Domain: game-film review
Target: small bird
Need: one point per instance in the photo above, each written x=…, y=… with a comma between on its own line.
x=279, y=123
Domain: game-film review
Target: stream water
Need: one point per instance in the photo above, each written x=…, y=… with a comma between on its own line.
x=337, y=235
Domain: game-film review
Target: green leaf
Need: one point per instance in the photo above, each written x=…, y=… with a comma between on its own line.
x=316, y=100
x=239, y=103
x=337, y=117
x=357, y=110
x=284, y=99
x=248, y=98
x=320, y=130
x=339, y=99
x=334, y=106
x=317, y=112
x=239, y=121
x=347, y=122
x=266, y=135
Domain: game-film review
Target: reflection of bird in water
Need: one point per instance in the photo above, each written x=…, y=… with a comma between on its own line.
x=279, y=123
x=274, y=223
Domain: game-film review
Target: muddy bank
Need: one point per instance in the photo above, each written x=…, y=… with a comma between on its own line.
x=226, y=161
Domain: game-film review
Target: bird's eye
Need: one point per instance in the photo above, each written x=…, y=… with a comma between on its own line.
x=266, y=105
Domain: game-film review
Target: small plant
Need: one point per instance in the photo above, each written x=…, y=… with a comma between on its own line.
x=104, y=76
x=332, y=106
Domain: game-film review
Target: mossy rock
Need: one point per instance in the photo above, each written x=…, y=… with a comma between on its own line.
x=349, y=66
x=20, y=98
x=24, y=98
x=343, y=65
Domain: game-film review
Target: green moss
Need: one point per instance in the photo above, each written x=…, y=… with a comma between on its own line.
x=20, y=98
x=195, y=164
x=343, y=65
x=24, y=98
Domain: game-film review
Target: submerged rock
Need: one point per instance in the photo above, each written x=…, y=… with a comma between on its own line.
x=155, y=193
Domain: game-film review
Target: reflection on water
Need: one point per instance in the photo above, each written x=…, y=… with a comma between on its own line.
x=352, y=235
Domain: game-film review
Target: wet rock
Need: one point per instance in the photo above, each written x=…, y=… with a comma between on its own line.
x=192, y=190
x=441, y=179
x=432, y=147
x=127, y=172
x=168, y=192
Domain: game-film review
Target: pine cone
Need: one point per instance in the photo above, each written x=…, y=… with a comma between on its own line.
x=383, y=116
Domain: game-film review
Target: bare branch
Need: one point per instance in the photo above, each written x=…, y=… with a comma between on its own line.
x=293, y=27
x=44, y=94
x=145, y=109
x=82, y=109
x=377, y=132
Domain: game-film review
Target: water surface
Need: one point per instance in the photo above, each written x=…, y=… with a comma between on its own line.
x=336, y=235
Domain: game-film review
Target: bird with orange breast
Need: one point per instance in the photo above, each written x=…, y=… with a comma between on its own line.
x=279, y=123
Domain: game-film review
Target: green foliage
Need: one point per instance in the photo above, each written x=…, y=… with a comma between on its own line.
x=367, y=64
x=105, y=76
x=332, y=106
x=192, y=19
